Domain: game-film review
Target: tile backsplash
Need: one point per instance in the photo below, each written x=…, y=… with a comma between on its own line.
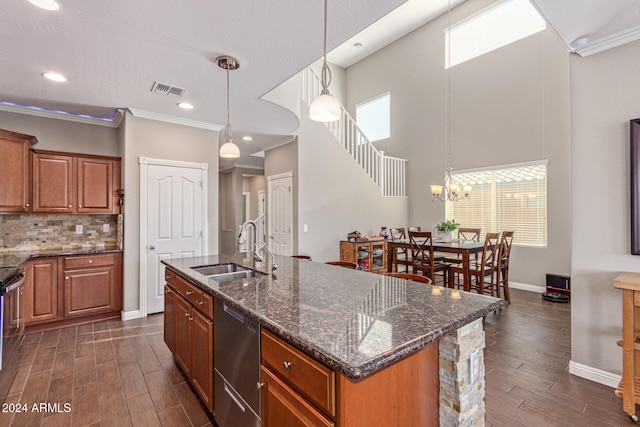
x=33, y=232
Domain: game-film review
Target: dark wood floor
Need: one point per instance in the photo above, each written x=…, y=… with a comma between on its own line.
x=113, y=373
x=116, y=373
x=528, y=380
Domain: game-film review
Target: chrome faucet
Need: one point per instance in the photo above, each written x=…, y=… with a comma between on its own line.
x=258, y=258
x=244, y=227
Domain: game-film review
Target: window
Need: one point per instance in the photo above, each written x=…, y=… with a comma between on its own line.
x=510, y=197
x=497, y=26
x=374, y=117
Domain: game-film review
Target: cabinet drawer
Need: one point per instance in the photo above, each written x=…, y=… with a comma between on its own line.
x=200, y=299
x=88, y=261
x=636, y=298
x=310, y=378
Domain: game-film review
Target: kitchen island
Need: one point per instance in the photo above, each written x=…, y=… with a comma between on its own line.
x=393, y=352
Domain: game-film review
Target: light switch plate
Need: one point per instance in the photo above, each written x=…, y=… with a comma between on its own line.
x=105, y=228
x=79, y=229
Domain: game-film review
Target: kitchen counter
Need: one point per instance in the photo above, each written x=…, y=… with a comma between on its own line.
x=321, y=308
x=10, y=262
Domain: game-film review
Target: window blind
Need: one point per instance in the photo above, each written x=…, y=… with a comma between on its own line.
x=505, y=198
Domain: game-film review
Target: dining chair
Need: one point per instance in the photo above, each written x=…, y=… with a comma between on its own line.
x=415, y=228
x=345, y=264
x=409, y=276
x=465, y=233
x=422, y=258
x=307, y=257
x=401, y=255
x=483, y=267
x=501, y=267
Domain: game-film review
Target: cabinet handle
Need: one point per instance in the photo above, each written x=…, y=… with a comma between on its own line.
x=190, y=319
x=189, y=292
x=66, y=278
x=186, y=315
x=90, y=261
x=286, y=365
x=79, y=206
x=27, y=205
x=70, y=206
x=259, y=385
x=167, y=277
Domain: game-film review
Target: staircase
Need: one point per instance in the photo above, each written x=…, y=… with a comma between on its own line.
x=388, y=173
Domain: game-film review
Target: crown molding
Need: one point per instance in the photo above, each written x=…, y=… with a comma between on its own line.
x=112, y=122
x=175, y=120
x=614, y=40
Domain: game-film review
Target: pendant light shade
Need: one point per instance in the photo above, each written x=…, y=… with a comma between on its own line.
x=325, y=108
x=229, y=150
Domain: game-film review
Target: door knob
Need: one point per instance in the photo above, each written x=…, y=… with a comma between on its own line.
x=152, y=247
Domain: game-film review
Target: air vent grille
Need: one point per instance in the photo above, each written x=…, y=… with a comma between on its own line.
x=165, y=89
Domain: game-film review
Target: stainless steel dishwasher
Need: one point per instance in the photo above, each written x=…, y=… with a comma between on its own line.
x=236, y=358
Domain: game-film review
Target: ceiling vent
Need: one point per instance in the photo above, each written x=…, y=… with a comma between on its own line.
x=165, y=89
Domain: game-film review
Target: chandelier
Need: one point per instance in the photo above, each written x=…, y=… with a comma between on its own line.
x=450, y=190
x=228, y=150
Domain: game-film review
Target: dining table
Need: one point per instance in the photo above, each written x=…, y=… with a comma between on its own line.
x=462, y=247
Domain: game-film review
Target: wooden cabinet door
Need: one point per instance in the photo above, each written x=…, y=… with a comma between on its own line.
x=183, y=344
x=169, y=318
x=89, y=291
x=282, y=406
x=202, y=357
x=15, y=190
x=95, y=185
x=52, y=183
x=41, y=291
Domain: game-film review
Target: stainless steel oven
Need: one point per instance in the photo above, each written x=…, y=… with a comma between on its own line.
x=12, y=318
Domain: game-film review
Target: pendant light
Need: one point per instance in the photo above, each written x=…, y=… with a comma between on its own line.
x=325, y=108
x=450, y=191
x=229, y=150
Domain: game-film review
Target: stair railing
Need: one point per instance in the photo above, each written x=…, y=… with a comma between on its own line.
x=389, y=173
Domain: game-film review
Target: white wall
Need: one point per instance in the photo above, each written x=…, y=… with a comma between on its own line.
x=605, y=94
x=62, y=135
x=336, y=196
x=508, y=106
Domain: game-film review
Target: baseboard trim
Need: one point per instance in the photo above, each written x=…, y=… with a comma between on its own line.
x=526, y=287
x=594, y=374
x=130, y=315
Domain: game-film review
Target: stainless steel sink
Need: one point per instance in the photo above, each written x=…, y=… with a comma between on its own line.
x=228, y=277
x=209, y=270
x=226, y=272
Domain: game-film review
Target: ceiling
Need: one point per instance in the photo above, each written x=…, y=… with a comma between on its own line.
x=113, y=51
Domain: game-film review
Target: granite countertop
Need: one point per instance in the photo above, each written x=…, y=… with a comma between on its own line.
x=353, y=321
x=10, y=262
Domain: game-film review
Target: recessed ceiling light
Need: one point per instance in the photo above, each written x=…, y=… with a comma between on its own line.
x=55, y=77
x=247, y=138
x=46, y=4
x=185, y=105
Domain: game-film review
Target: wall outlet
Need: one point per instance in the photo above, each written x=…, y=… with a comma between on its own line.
x=105, y=228
x=305, y=228
x=79, y=229
x=474, y=366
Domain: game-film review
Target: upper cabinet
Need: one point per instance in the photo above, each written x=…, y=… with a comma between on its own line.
x=71, y=183
x=15, y=172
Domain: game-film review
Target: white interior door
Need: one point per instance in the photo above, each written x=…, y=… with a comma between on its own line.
x=174, y=223
x=280, y=216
